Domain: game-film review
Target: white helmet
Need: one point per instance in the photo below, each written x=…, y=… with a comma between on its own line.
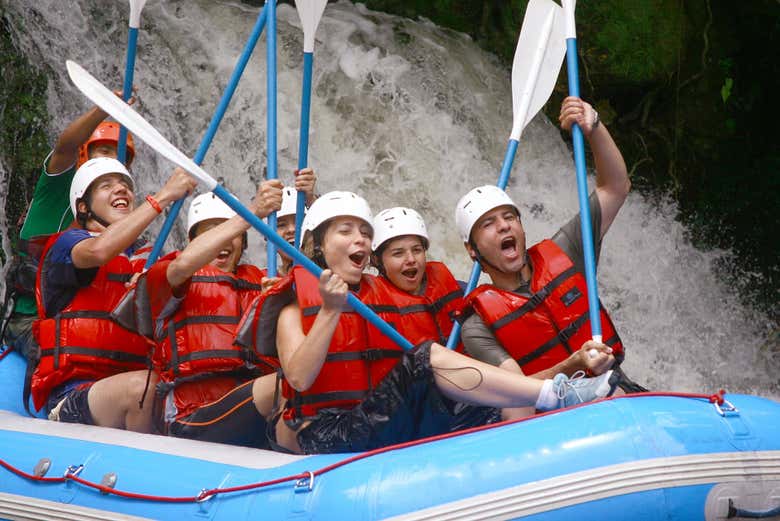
x=397, y=222
x=477, y=203
x=289, y=202
x=204, y=207
x=336, y=204
x=91, y=170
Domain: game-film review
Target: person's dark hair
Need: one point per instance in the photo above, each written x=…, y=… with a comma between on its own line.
x=311, y=245
x=83, y=217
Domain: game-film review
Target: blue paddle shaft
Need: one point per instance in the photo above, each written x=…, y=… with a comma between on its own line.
x=205, y=143
x=127, y=90
x=303, y=142
x=582, y=194
x=301, y=259
x=270, y=37
x=503, y=180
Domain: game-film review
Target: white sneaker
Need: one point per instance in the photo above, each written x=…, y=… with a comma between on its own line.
x=578, y=389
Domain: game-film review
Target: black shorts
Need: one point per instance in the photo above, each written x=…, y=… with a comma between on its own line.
x=405, y=406
x=71, y=397
x=18, y=334
x=232, y=419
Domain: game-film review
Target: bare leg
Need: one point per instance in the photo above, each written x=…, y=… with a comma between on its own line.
x=263, y=391
x=464, y=379
x=113, y=401
x=515, y=413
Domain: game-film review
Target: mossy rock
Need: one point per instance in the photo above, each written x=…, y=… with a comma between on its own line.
x=23, y=121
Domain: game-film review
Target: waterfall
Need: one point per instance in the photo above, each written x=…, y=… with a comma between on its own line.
x=404, y=113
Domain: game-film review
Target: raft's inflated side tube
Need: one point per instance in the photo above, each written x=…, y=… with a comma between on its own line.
x=12, y=369
x=640, y=458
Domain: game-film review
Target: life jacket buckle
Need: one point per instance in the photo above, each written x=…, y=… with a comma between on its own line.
x=539, y=297
x=372, y=355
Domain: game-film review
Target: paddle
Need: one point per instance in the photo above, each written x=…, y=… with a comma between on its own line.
x=537, y=62
x=270, y=37
x=582, y=181
x=310, y=13
x=136, y=6
x=123, y=113
x=216, y=119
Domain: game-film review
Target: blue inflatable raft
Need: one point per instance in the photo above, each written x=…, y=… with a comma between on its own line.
x=642, y=457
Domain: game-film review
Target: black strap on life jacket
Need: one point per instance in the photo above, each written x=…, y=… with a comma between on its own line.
x=177, y=359
x=534, y=301
x=299, y=400
x=237, y=283
x=32, y=363
x=434, y=307
x=562, y=338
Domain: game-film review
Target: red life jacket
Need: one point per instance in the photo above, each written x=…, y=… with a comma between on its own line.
x=417, y=317
x=195, y=344
x=546, y=328
x=257, y=328
x=83, y=341
x=345, y=377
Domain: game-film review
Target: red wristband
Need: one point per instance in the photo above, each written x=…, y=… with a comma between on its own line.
x=153, y=203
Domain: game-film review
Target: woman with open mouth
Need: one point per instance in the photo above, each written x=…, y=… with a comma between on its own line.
x=416, y=296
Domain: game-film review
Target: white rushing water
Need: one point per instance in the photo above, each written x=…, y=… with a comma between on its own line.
x=404, y=113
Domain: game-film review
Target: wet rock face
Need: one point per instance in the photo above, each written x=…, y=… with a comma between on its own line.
x=23, y=127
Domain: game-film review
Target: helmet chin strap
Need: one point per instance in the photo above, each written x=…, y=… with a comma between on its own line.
x=95, y=217
x=89, y=214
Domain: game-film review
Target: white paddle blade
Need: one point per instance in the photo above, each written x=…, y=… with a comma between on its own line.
x=125, y=115
x=538, y=59
x=310, y=13
x=136, y=6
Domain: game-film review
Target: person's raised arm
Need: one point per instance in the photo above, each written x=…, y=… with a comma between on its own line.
x=206, y=246
x=120, y=235
x=302, y=356
x=612, y=183
x=66, y=150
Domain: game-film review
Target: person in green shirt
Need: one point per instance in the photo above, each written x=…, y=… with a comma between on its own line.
x=87, y=137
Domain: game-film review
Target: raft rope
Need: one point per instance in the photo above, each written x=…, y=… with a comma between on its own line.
x=307, y=478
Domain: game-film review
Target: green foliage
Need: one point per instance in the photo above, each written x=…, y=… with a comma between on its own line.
x=630, y=41
x=725, y=90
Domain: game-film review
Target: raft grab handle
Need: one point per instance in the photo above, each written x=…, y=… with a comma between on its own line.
x=305, y=484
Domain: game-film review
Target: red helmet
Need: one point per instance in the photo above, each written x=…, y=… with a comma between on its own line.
x=106, y=132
